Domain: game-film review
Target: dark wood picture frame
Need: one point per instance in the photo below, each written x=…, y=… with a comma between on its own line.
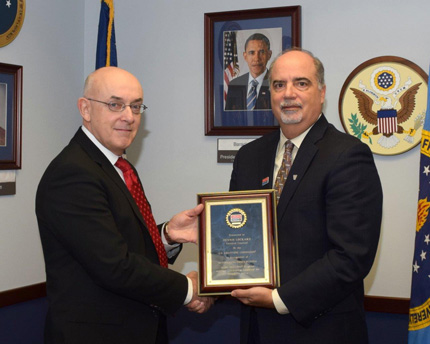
x=11, y=105
x=238, y=241
x=286, y=18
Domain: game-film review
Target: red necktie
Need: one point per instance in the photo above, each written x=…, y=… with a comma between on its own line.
x=136, y=191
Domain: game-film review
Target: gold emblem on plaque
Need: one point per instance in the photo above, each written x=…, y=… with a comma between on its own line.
x=236, y=218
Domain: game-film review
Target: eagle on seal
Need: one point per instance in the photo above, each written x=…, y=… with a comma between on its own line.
x=387, y=120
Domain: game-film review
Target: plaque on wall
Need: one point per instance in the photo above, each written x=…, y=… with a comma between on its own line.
x=383, y=103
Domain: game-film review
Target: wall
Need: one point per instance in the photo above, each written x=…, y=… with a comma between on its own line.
x=162, y=43
x=50, y=47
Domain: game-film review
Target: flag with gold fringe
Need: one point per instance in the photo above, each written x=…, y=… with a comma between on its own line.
x=106, y=46
x=231, y=65
x=419, y=312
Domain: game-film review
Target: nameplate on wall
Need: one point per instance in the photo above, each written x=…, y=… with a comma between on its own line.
x=7, y=183
x=227, y=149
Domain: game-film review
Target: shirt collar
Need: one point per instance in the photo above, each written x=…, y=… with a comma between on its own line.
x=109, y=155
x=297, y=141
x=259, y=78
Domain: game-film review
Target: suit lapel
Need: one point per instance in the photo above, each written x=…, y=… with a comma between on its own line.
x=101, y=160
x=267, y=161
x=301, y=163
x=264, y=90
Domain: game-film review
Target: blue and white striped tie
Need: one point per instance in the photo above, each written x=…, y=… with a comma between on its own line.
x=252, y=95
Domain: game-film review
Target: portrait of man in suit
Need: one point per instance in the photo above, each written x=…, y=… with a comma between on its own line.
x=329, y=213
x=251, y=90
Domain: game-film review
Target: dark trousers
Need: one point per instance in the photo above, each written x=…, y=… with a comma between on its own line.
x=162, y=331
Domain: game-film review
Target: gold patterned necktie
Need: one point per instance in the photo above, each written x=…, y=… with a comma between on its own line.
x=283, y=171
x=136, y=191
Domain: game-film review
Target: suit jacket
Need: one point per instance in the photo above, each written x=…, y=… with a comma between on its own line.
x=104, y=282
x=238, y=93
x=329, y=217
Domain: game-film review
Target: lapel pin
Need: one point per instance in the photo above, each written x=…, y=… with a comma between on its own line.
x=294, y=176
x=265, y=181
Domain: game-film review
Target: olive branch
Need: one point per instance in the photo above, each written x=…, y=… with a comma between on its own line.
x=357, y=128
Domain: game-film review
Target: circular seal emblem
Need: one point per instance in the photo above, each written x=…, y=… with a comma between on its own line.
x=383, y=103
x=236, y=218
x=12, y=14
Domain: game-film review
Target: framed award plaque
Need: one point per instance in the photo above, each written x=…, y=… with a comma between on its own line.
x=238, y=244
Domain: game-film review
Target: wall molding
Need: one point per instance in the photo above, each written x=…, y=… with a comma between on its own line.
x=23, y=294
x=371, y=303
x=380, y=304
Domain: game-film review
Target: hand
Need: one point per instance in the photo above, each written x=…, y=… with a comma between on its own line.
x=183, y=226
x=201, y=305
x=198, y=304
x=257, y=297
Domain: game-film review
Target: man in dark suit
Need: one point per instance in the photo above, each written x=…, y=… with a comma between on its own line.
x=257, y=53
x=329, y=215
x=104, y=279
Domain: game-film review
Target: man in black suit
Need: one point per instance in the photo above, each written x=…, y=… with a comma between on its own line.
x=257, y=53
x=104, y=279
x=329, y=216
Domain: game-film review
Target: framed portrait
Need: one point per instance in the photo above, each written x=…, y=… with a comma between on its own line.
x=238, y=246
x=10, y=116
x=383, y=103
x=239, y=48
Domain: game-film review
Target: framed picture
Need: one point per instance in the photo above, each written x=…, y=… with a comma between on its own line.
x=238, y=246
x=383, y=103
x=239, y=48
x=10, y=116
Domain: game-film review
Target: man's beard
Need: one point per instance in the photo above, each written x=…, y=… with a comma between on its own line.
x=291, y=117
x=287, y=119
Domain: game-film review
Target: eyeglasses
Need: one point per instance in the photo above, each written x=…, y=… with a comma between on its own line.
x=136, y=108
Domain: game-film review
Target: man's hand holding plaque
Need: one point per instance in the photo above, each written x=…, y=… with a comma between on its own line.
x=256, y=296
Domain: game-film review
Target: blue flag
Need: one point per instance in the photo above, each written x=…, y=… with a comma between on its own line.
x=419, y=312
x=106, y=46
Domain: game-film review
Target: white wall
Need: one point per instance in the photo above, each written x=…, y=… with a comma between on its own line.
x=161, y=42
x=50, y=49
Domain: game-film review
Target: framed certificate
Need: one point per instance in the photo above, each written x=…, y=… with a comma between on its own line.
x=238, y=246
